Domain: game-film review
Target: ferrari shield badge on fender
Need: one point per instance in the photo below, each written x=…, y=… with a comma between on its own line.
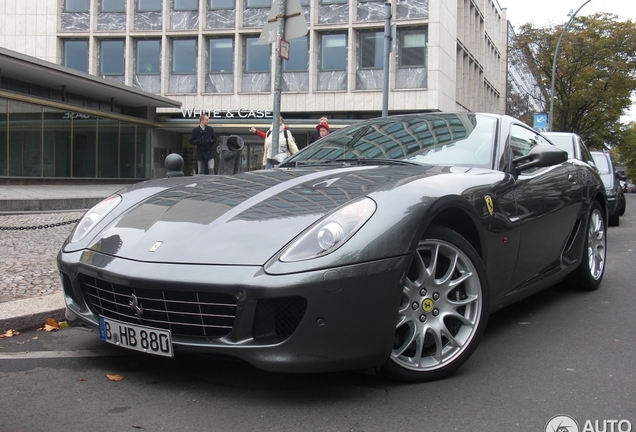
x=489, y=204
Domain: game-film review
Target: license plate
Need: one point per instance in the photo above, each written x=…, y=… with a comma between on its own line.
x=136, y=337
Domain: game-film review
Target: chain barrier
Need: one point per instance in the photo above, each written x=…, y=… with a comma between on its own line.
x=34, y=227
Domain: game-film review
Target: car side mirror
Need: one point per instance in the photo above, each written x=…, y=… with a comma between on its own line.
x=540, y=156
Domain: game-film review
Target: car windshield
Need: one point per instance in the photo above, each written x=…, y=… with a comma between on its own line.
x=601, y=163
x=564, y=142
x=430, y=139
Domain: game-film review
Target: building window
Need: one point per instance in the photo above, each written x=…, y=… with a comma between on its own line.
x=298, y=55
x=333, y=52
x=149, y=5
x=184, y=56
x=257, y=57
x=112, y=57
x=412, y=49
x=76, y=54
x=258, y=4
x=147, y=57
x=77, y=6
x=221, y=55
x=371, y=51
x=113, y=6
x=220, y=4
x=186, y=5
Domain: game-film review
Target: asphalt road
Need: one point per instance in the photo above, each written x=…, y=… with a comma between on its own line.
x=558, y=352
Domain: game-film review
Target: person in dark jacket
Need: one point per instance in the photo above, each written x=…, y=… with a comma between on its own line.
x=203, y=137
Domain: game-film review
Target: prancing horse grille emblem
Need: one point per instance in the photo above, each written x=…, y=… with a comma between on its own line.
x=136, y=307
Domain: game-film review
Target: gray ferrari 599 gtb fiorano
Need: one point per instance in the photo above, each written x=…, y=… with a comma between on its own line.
x=383, y=245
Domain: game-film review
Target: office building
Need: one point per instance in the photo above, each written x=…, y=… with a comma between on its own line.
x=204, y=56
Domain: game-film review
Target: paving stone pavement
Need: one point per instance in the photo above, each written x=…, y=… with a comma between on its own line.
x=27, y=264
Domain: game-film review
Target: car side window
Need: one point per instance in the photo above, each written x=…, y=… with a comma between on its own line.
x=586, y=155
x=522, y=140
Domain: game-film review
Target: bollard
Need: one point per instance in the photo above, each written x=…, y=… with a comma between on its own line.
x=174, y=164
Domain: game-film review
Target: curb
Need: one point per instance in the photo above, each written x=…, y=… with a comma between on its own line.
x=31, y=313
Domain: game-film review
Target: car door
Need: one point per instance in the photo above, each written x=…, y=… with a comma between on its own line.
x=548, y=204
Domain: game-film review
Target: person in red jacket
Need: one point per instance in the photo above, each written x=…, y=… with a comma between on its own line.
x=315, y=136
x=323, y=130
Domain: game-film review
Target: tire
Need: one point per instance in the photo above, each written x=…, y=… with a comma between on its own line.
x=443, y=311
x=623, y=206
x=590, y=272
x=614, y=219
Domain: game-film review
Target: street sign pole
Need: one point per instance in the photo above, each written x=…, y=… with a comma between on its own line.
x=278, y=76
x=387, y=56
x=289, y=20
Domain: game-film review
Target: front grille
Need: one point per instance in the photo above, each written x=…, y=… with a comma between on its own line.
x=184, y=313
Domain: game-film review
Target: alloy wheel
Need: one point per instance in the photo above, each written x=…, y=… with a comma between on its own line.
x=441, y=308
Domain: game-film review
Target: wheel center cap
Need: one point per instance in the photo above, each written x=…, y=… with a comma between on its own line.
x=428, y=305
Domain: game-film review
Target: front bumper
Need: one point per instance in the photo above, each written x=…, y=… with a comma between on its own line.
x=346, y=317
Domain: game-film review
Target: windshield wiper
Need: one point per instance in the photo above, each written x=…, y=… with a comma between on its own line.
x=371, y=161
x=351, y=162
x=294, y=164
x=381, y=161
x=311, y=162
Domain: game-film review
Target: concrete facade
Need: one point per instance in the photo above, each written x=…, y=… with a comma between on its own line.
x=465, y=66
x=475, y=29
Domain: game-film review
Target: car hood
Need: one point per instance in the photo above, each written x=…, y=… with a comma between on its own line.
x=243, y=219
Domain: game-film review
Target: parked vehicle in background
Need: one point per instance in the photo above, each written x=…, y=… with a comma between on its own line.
x=615, y=196
x=571, y=143
x=623, y=179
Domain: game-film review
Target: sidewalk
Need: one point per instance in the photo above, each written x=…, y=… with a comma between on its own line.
x=38, y=198
x=34, y=222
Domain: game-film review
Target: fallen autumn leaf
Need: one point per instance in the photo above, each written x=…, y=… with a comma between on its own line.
x=114, y=377
x=51, y=322
x=9, y=333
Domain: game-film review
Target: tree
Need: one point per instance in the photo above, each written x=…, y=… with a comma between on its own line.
x=519, y=107
x=595, y=74
x=626, y=151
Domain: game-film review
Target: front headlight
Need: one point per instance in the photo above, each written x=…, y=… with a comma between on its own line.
x=331, y=232
x=93, y=216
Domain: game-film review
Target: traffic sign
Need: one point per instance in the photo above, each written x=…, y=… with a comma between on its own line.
x=295, y=24
x=540, y=121
x=283, y=49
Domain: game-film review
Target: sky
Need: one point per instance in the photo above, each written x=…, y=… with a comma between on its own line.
x=546, y=12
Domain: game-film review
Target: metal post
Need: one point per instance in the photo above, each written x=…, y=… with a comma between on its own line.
x=278, y=76
x=554, y=62
x=387, y=54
